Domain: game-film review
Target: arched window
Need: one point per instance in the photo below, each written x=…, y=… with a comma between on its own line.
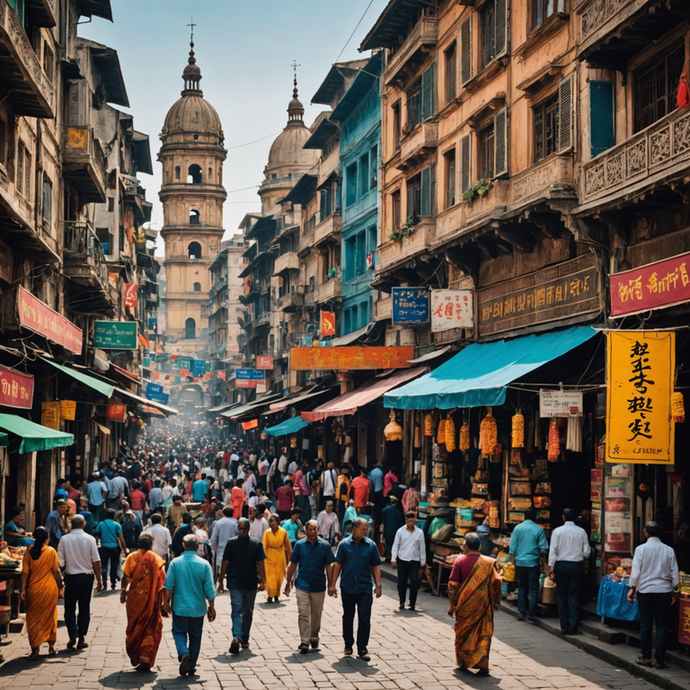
x=197, y=287
x=177, y=172
x=210, y=174
x=194, y=174
x=194, y=250
x=194, y=217
x=190, y=329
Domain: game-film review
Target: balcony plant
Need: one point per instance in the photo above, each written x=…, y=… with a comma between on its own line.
x=480, y=188
x=404, y=230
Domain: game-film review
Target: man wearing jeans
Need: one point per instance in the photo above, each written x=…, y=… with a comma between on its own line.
x=189, y=584
x=358, y=560
x=653, y=579
x=567, y=554
x=242, y=558
x=112, y=540
x=314, y=556
x=527, y=544
x=408, y=555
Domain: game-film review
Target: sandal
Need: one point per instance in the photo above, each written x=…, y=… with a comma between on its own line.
x=34, y=654
x=643, y=662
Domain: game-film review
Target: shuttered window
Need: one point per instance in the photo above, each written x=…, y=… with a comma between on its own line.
x=494, y=30
x=47, y=203
x=27, y=174
x=501, y=143
x=487, y=152
x=414, y=199
x=501, y=16
x=545, y=128
x=429, y=92
x=451, y=73
x=601, y=116
x=566, y=114
x=19, y=180
x=396, y=216
x=428, y=191
x=465, y=163
x=449, y=158
x=466, y=71
x=415, y=105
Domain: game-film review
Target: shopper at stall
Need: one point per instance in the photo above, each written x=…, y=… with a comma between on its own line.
x=653, y=579
x=527, y=546
x=408, y=556
x=411, y=497
x=14, y=529
x=474, y=593
x=567, y=554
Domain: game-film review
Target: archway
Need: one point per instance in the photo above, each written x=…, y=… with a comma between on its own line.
x=197, y=287
x=194, y=174
x=194, y=217
x=190, y=329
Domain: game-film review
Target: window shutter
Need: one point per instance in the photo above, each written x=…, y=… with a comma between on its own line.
x=20, y=168
x=466, y=51
x=432, y=189
x=601, y=111
x=429, y=92
x=501, y=143
x=501, y=17
x=27, y=174
x=465, y=163
x=566, y=113
x=425, y=210
x=410, y=205
x=47, y=205
x=434, y=89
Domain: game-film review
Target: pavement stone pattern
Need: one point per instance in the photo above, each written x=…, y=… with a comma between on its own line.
x=408, y=650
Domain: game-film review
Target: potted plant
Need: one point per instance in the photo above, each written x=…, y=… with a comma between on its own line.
x=404, y=230
x=480, y=188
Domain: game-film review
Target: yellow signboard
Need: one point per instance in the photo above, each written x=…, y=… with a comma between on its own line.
x=50, y=415
x=640, y=371
x=68, y=410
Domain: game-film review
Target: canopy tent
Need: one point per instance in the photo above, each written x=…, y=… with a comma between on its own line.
x=34, y=436
x=370, y=391
x=236, y=412
x=93, y=383
x=289, y=426
x=145, y=401
x=284, y=403
x=480, y=373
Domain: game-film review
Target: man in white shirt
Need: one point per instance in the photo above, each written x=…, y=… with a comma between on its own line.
x=223, y=530
x=78, y=555
x=258, y=526
x=567, y=554
x=162, y=539
x=282, y=464
x=654, y=579
x=329, y=484
x=408, y=555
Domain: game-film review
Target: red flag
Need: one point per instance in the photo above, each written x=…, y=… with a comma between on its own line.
x=683, y=98
x=327, y=323
x=130, y=298
x=221, y=375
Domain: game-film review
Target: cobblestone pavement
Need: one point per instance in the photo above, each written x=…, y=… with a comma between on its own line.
x=409, y=650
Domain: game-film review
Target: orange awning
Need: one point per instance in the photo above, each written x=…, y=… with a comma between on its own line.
x=370, y=391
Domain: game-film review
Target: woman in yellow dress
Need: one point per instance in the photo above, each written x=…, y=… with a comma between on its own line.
x=41, y=585
x=278, y=551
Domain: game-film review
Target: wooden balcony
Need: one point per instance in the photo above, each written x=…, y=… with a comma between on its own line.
x=328, y=230
x=395, y=252
x=421, y=141
x=328, y=291
x=329, y=166
x=286, y=262
x=640, y=163
x=84, y=164
x=413, y=51
x=543, y=179
x=292, y=301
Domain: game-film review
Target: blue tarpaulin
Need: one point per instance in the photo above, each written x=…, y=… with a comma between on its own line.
x=478, y=375
x=289, y=426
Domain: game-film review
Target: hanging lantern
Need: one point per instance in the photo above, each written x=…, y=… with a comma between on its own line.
x=554, y=446
x=441, y=434
x=293, y=442
x=450, y=435
x=393, y=430
x=677, y=407
x=489, y=435
x=518, y=431
x=464, y=436
x=428, y=425
x=417, y=437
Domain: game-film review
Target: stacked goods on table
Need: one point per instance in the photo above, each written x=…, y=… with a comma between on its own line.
x=10, y=557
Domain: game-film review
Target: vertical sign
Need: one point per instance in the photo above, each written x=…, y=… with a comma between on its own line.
x=327, y=323
x=50, y=415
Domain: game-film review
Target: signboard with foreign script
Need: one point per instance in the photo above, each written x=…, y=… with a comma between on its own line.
x=451, y=309
x=115, y=335
x=250, y=374
x=562, y=291
x=264, y=362
x=653, y=286
x=40, y=318
x=116, y=411
x=198, y=367
x=130, y=296
x=50, y=415
x=154, y=391
x=185, y=363
x=347, y=358
x=560, y=403
x=410, y=304
x=16, y=389
x=68, y=410
x=640, y=370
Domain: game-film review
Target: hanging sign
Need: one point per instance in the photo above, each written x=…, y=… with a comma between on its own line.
x=250, y=374
x=50, y=415
x=130, y=296
x=340, y=358
x=410, y=304
x=253, y=424
x=68, y=410
x=327, y=325
x=16, y=389
x=116, y=411
x=221, y=375
x=560, y=403
x=41, y=319
x=264, y=362
x=640, y=370
x=185, y=363
x=154, y=391
x=115, y=335
x=451, y=309
x=198, y=367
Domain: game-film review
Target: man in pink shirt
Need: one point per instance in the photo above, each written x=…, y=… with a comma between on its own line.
x=360, y=489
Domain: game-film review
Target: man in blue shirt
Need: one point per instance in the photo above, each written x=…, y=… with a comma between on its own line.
x=200, y=489
x=54, y=522
x=97, y=491
x=356, y=562
x=190, y=577
x=527, y=545
x=155, y=495
x=119, y=490
x=376, y=482
x=314, y=556
x=112, y=540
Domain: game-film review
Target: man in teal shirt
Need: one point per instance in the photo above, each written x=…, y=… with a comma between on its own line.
x=527, y=544
x=200, y=489
x=112, y=540
x=189, y=584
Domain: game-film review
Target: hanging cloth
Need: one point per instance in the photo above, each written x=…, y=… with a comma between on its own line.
x=574, y=435
x=683, y=98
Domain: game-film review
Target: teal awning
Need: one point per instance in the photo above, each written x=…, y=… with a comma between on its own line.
x=34, y=436
x=289, y=426
x=4, y=440
x=94, y=383
x=480, y=373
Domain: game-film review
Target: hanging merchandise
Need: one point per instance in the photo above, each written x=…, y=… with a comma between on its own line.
x=417, y=436
x=488, y=435
x=441, y=435
x=393, y=430
x=293, y=442
x=677, y=407
x=554, y=446
x=450, y=435
x=428, y=425
x=518, y=431
x=464, y=436
x=574, y=435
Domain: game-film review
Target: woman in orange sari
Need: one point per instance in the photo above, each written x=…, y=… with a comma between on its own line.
x=278, y=551
x=144, y=575
x=41, y=585
x=474, y=592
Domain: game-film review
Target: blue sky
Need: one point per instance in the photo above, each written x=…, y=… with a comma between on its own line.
x=245, y=51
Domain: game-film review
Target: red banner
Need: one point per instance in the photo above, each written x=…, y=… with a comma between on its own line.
x=253, y=424
x=16, y=389
x=245, y=383
x=346, y=358
x=41, y=319
x=263, y=362
x=116, y=412
x=653, y=286
x=327, y=323
x=130, y=297
x=221, y=375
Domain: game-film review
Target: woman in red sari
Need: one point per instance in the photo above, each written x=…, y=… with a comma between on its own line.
x=142, y=591
x=474, y=592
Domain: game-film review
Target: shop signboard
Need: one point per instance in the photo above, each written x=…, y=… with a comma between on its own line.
x=40, y=318
x=657, y=285
x=560, y=403
x=50, y=415
x=264, y=362
x=115, y=335
x=349, y=358
x=185, y=363
x=451, y=309
x=245, y=383
x=198, y=367
x=116, y=411
x=562, y=291
x=410, y=304
x=252, y=424
x=16, y=389
x=154, y=391
x=250, y=374
x=68, y=410
x=640, y=377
